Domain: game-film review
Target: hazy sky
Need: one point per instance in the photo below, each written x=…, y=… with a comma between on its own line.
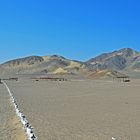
x=77, y=29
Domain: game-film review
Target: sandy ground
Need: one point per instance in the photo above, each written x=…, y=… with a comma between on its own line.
x=10, y=126
x=80, y=110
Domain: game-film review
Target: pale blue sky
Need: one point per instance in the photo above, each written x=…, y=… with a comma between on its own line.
x=76, y=29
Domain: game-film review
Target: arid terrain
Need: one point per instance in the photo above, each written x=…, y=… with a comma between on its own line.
x=87, y=104
x=10, y=125
x=80, y=109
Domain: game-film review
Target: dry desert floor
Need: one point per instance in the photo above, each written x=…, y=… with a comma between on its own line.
x=10, y=125
x=80, y=109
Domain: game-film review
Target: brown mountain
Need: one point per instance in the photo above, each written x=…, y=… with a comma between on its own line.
x=124, y=59
x=42, y=65
x=113, y=64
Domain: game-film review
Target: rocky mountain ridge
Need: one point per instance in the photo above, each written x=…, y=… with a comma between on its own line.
x=116, y=62
x=124, y=59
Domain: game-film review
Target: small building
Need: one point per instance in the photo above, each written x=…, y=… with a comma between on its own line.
x=123, y=78
x=50, y=79
x=13, y=78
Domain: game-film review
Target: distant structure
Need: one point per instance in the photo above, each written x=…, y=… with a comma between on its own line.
x=50, y=79
x=14, y=78
x=123, y=78
x=9, y=79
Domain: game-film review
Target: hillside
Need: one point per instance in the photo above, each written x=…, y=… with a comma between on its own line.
x=124, y=61
x=42, y=65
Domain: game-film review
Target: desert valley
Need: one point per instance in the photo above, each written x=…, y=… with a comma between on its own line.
x=66, y=99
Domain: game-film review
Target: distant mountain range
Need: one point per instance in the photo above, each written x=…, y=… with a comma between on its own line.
x=124, y=59
x=43, y=65
x=108, y=64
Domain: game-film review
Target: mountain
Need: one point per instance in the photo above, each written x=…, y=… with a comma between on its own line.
x=23, y=61
x=124, y=59
x=42, y=65
x=111, y=64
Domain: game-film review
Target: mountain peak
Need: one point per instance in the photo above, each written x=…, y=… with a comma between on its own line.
x=127, y=50
x=118, y=60
x=57, y=56
x=26, y=60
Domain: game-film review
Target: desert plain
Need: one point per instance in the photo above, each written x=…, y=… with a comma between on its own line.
x=10, y=125
x=78, y=109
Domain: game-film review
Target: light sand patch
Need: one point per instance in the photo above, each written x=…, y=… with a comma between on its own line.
x=73, y=64
x=17, y=130
x=46, y=58
x=60, y=71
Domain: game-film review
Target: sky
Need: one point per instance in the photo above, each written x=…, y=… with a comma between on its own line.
x=76, y=29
